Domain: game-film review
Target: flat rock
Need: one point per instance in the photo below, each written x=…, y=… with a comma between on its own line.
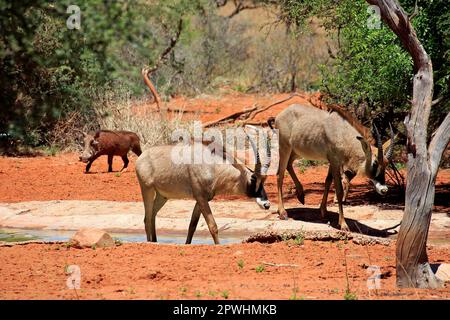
x=90, y=237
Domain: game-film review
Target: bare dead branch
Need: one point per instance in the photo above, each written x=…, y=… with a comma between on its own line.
x=164, y=55
x=436, y=101
x=241, y=7
x=259, y=110
x=415, y=12
x=280, y=265
x=145, y=73
x=439, y=143
x=231, y=117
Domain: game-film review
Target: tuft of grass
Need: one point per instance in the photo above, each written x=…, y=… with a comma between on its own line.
x=198, y=294
x=260, y=268
x=67, y=245
x=51, y=150
x=94, y=246
x=118, y=174
x=225, y=294
x=240, y=264
x=299, y=239
x=294, y=295
x=285, y=237
x=212, y=293
x=350, y=295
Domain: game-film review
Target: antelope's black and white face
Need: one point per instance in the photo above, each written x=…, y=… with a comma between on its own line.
x=255, y=189
x=378, y=178
x=377, y=160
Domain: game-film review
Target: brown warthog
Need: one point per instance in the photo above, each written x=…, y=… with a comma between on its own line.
x=110, y=143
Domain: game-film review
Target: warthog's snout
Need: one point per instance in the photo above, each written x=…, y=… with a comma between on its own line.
x=83, y=159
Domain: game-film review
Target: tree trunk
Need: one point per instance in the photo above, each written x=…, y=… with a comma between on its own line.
x=413, y=269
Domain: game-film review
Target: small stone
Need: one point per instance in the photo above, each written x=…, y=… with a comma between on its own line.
x=89, y=237
x=443, y=272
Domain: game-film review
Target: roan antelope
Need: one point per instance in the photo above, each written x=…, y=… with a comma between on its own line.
x=160, y=179
x=316, y=134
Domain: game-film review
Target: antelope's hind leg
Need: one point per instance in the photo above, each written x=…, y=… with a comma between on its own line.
x=282, y=165
x=298, y=185
x=339, y=193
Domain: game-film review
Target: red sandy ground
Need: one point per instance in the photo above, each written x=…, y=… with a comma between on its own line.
x=152, y=271
x=199, y=271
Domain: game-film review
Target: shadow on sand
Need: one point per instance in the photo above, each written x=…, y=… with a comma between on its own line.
x=313, y=216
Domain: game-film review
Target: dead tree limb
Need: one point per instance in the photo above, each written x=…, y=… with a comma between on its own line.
x=145, y=74
x=231, y=117
x=248, y=114
x=147, y=71
x=280, y=265
x=259, y=110
x=172, y=43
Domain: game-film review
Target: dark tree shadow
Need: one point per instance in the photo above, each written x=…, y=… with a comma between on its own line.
x=313, y=215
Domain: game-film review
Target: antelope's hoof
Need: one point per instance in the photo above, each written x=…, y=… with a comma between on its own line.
x=344, y=227
x=283, y=215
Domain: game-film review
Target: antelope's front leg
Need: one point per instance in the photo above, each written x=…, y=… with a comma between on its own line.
x=298, y=185
x=323, y=204
x=193, y=224
x=339, y=193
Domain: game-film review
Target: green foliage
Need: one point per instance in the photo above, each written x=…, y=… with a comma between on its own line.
x=48, y=70
x=299, y=239
x=240, y=264
x=371, y=73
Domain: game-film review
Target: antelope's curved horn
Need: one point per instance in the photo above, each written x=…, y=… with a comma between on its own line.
x=379, y=144
x=266, y=164
x=255, y=151
x=390, y=149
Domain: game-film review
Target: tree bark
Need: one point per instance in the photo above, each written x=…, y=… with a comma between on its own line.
x=413, y=269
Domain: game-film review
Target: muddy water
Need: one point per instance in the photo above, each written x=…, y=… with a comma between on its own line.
x=20, y=235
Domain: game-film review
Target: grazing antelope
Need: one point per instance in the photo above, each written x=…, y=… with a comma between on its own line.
x=160, y=178
x=316, y=134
